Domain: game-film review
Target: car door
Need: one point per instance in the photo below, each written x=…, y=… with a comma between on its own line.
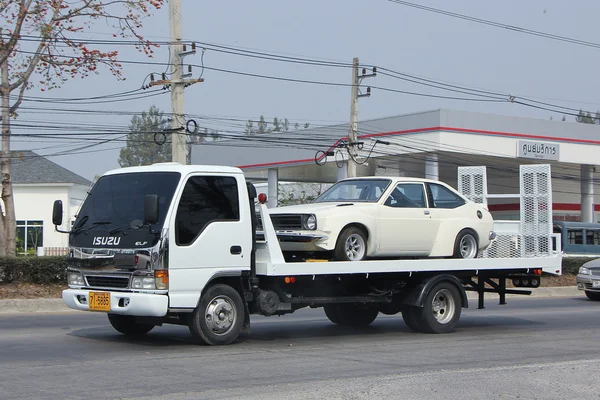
x=405, y=224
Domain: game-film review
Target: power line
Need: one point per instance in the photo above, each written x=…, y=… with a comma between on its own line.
x=498, y=24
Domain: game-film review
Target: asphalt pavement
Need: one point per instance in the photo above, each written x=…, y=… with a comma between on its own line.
x=534, y=348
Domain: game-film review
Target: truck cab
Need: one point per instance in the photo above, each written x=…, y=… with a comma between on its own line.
x=147, y=239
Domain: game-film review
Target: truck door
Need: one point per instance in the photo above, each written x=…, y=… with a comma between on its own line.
x=210, y=233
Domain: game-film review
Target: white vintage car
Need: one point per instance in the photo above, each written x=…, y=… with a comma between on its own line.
x=383, y=217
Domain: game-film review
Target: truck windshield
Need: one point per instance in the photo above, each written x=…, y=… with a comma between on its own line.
x=362, y=190
x=116, y=201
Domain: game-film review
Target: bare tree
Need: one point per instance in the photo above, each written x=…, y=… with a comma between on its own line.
x=39, y=46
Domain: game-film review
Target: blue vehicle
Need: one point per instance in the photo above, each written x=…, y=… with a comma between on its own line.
x=579, y=238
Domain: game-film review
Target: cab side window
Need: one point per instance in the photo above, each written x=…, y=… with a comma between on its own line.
x=205, y=199
x=444, y=198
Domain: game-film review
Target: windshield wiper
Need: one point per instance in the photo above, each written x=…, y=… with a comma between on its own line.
x=135, y=224
x=94, y=224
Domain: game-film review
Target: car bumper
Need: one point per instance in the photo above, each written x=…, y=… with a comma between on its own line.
x=126, y=303
x=588, y=282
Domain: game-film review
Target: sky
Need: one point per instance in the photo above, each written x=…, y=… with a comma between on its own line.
x=379, y=32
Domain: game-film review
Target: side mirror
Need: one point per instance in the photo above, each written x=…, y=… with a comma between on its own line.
x=151, y=209
x=57, y=213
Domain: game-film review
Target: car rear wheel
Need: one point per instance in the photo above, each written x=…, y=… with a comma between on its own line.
x=351, y=245
x=595, y=296
x=466, y=245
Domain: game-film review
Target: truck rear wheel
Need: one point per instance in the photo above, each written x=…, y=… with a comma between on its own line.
x=408, y=315
x=127, y=325
x=441, y=310
x=219, y=317
x=348, y=314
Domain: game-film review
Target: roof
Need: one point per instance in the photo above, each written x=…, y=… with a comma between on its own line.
x=32, y=168
x=177, y=167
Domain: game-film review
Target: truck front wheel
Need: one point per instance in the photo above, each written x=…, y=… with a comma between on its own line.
x=347, y=314
x=127, y=325
x=440, y=311
x=219, y=317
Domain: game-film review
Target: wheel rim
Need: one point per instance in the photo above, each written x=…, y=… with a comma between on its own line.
x=220, y=315
x=355, y=247
x=468, y=246
x=443, y=306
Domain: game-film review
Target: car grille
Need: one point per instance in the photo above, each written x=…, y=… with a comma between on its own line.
x=107, y=281
x=286, y=221
x=595, y=271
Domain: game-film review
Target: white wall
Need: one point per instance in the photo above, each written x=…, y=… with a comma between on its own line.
x=35, y=201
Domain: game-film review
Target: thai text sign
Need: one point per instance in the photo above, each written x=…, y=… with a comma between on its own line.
x=538, y=150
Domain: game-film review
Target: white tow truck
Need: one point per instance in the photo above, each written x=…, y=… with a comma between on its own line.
x=177, y=244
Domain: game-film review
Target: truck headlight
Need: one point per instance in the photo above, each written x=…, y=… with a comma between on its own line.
x=310, y=222
x=143, y=282
x=584, y=271
x=75, y=279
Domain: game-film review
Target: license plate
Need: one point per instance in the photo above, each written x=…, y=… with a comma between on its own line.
x=596, y=284
x=99, y=301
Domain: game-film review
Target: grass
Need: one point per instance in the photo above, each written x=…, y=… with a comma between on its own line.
x=53, y=290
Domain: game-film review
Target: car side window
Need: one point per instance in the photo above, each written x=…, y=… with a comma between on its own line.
x=442, y=197
x=205, y=199
x=407, y=195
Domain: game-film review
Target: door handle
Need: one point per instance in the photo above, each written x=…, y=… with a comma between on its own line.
x=235, y=250
x=426, y=212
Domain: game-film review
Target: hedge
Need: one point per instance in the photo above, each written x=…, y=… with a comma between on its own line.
x=32, y=269
x=53, y=269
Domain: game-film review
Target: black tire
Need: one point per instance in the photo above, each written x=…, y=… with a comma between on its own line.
x=127, y=325
x=594, y=296
x=223, y=304
x=466, y=245
x=351, y=245
x=348, y=314
x=408, y=315
x=441, y=311
x=331, y=311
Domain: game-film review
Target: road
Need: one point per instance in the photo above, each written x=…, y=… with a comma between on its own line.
x=543, y=348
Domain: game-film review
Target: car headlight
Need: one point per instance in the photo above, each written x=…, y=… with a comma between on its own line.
x=143, y=282
x=584, y=271
x=309, y=222
x=75, y=279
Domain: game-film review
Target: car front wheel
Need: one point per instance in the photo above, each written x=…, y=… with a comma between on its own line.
x=351, y=245
x=595, y=296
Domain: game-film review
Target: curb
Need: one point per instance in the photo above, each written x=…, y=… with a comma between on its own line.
x=15, y=306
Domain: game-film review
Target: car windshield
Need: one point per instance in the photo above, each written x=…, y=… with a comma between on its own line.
x=117, y=200
x=359, y=190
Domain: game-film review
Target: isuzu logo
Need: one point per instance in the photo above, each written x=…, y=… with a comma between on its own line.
x=106, y=241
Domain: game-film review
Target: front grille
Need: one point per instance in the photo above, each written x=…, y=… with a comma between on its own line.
x=107, y=281
x=286, y=221
x=595, y=271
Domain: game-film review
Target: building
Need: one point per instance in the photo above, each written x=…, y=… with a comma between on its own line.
x=430, y=144
x=37, y=183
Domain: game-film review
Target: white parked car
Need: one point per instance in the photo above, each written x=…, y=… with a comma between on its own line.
x=383, y=217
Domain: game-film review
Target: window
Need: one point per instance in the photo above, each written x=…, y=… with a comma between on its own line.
x=205, y=199
x=407, y=195
x=575, y=237
x=592, y=237
x=367, y=190
x=30, y=236
x=443, y=197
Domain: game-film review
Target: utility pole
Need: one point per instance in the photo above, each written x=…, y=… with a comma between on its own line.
x=177, y=83
x=354, y=96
